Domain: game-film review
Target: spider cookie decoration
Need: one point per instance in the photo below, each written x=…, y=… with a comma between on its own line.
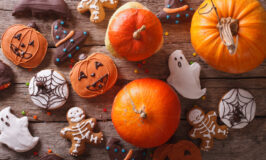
x=80, y=131
x=67, y=42
x=117, y=152
x=175, y=11
x=205, y=127
x=237, y=108
x=96, y=8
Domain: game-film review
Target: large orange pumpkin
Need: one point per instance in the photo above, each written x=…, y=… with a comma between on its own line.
x=146, y=112
x=236, y=42
x=134, y=32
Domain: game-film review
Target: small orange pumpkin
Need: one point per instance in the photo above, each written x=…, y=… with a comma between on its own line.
x=236, y=42
x=146, y=112
x=134, y=32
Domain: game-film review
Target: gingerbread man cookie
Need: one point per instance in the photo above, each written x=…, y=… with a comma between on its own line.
x=96, y=8
x=80, y=131
x=175, y=11
x=205, y=127
x=183, y=150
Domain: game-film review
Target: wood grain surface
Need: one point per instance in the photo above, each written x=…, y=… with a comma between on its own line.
x=245, y=144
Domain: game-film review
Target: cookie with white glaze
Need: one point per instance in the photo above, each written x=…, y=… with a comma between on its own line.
x=14, y=132
x=48, y=89
x=185, y=78
x=237, y=108
x=6, y=76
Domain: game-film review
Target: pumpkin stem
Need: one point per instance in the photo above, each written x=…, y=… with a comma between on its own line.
x=228, y=27
x=136, y=34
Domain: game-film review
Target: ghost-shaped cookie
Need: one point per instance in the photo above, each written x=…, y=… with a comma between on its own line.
x=185, y=77
x=14, y=132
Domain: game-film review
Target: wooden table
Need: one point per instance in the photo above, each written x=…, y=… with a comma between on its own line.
x=244, y=144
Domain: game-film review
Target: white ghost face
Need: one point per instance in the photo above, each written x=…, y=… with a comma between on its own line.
x=75, y=114
x=177, y=61
x=5, y=118
x=196, y=116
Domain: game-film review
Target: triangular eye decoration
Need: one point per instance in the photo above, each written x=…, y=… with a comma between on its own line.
x=31, y=43
x=18, y=36
x=98, y=64
x=82, y=75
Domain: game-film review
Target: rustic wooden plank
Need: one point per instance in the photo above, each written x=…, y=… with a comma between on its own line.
x=18, y=98
x=157, y=65
x=241, y=144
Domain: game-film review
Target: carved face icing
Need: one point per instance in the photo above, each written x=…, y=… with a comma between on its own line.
x=94, y=75
x=24, y=46
x=196, y=116
x=75, y=114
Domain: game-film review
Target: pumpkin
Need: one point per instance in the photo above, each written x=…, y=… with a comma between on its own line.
x=94, y=75
x=146, y=112
x=24, y=46
x=230, y=34
x=134, y=32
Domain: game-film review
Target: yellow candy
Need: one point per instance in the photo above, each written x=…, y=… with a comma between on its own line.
x=166, y=33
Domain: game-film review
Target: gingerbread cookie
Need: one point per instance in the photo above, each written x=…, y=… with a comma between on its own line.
x=48, y=89
x=14, y=132
x=80, y=131
x=205, y=127
x=175, y=11
x=183, y=150
x=93, y=76
x=51, y=156
x=6, y=76
x=67, y=42
x=39, y=8
x=24, y=46
x=96, y=8
x=185, y=78
x=117, y=152
x=237, y=108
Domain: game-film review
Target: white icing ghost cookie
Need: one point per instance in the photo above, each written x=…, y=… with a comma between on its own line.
x=48, y=89
x=237, y=108
x=14, y=132
x=184, y=77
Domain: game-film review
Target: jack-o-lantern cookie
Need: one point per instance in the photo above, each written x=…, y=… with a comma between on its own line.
x=6, y=76
x=80, y=131
x=205, y=127
x=96, y=8
x=183, y=150
x=24, y=46
x=93, y=76
x=237, y=108
x=48, y=89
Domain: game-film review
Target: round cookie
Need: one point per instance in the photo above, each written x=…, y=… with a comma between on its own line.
x=237, y=108
x=48, y=89
x=6, y=76
x=24, y=46
x=93, y=76
x=51, y=156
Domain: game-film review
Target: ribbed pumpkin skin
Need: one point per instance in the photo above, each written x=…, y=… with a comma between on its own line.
x=251, y=49
x=162, y=107
x=121, y=30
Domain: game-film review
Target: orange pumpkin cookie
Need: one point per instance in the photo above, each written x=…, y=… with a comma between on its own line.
x=205, y=127
x=96, y=8
x=24, y=46
x=80, y=131
x=183, y=150
x=93, y=76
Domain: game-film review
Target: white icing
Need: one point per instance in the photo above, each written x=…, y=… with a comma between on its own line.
x=55, y=83
x=75, y=114
x=196, y=116
x=183, y=77
x=228, y=104
x=93, y=139
x=14, y=132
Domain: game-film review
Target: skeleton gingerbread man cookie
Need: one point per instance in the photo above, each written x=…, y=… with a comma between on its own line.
x=80, y=131
x=205, y=127
x=14, y=132
x=96, y=8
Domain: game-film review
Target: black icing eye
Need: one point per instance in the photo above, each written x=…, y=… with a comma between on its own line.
x=2, y=119
x=98, y=64
x=7, y=116
x=179, y=64
x=18, y=36
x=93, y=75
x=31, y=43
x=22, y=45
x=187, y=153
x=181, y=58
x=175, y=58
x=82, y=75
